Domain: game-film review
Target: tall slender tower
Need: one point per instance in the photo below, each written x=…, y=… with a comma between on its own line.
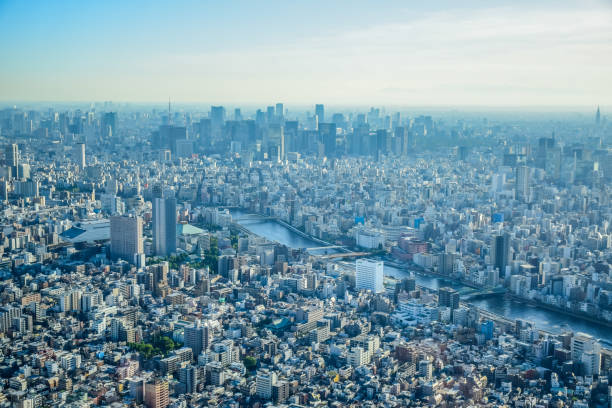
x=164, y=224
x=11, y=154
x=597, y=116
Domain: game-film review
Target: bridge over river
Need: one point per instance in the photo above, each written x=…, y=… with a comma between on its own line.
x=500, y=305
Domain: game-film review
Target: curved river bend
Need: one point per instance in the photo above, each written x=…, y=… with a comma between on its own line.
x=544, y=319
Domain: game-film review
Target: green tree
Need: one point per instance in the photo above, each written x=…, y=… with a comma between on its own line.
x=250, y=363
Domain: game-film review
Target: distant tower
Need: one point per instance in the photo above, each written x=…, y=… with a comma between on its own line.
x=320, y=112
x=11, y=154
x=522, y=182
x=597, y=116
x=164, y=224
x=109, y=124
x=500, y=253
x=79, y=155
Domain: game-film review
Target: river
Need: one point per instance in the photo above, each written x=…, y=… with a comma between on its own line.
x=544, y=319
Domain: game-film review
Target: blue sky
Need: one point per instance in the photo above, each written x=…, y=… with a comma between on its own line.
x=505, y=53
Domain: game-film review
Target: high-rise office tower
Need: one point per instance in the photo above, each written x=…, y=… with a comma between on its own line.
x=500, y=252
x=237, y=114
x=217, y=117
x=401, y=137
x=198, y=338
x=383, y=141
x=168, y=137
x=276, y=142
x=522, y=183
x=78, y=153
x=270, y=115
x=126, y=238
x=156, y=394
x=205, y=132
x=448, y=297
x=327, y=134
x=164, y=225
x=597, y=116
x=260, y=118
x=320, y=112
x=279, y=111
x=11, y=155
x=109, y=124
x=291, y=136
x=369, y=275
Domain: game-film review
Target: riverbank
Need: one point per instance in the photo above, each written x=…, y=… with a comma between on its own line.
x=507, y=309
x=417, y=269
x=559, y=310
x=532, y=302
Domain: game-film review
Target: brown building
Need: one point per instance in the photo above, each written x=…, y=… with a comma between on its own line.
x=156, y=394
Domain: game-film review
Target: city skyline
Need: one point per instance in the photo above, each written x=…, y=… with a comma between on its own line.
x=512, y=54
x=305, y=204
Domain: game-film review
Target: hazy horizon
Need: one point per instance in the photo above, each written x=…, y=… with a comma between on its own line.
x=511, y=55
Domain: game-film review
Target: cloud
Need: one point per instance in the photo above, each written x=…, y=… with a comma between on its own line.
x=494, y=56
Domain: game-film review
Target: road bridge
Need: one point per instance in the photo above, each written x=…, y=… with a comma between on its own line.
x=345, y=255
x=252, y=217
x=325, y=247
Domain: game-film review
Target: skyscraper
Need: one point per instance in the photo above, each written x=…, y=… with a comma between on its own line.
x=205, y=132
x=522, y=183
x=198, y=338
x=291, y=136
x=327, y=133
x=320, y=112
x=217, y=117
x=276, y=142
x=383, y=141
x=500, y=252
x=369, y=275
x=11, y=155
x=164, y=225
x=78, y=153
x=597, y=116
x=109, y=124
x=279, y=111
x=126, y=238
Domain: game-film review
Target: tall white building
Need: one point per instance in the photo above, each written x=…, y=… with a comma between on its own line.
x=369, y=275
x=264, y=382
x=78, y=153
x=357, y=356
x=587, y=350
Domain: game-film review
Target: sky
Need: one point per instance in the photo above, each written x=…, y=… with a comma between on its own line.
x=403, y=53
